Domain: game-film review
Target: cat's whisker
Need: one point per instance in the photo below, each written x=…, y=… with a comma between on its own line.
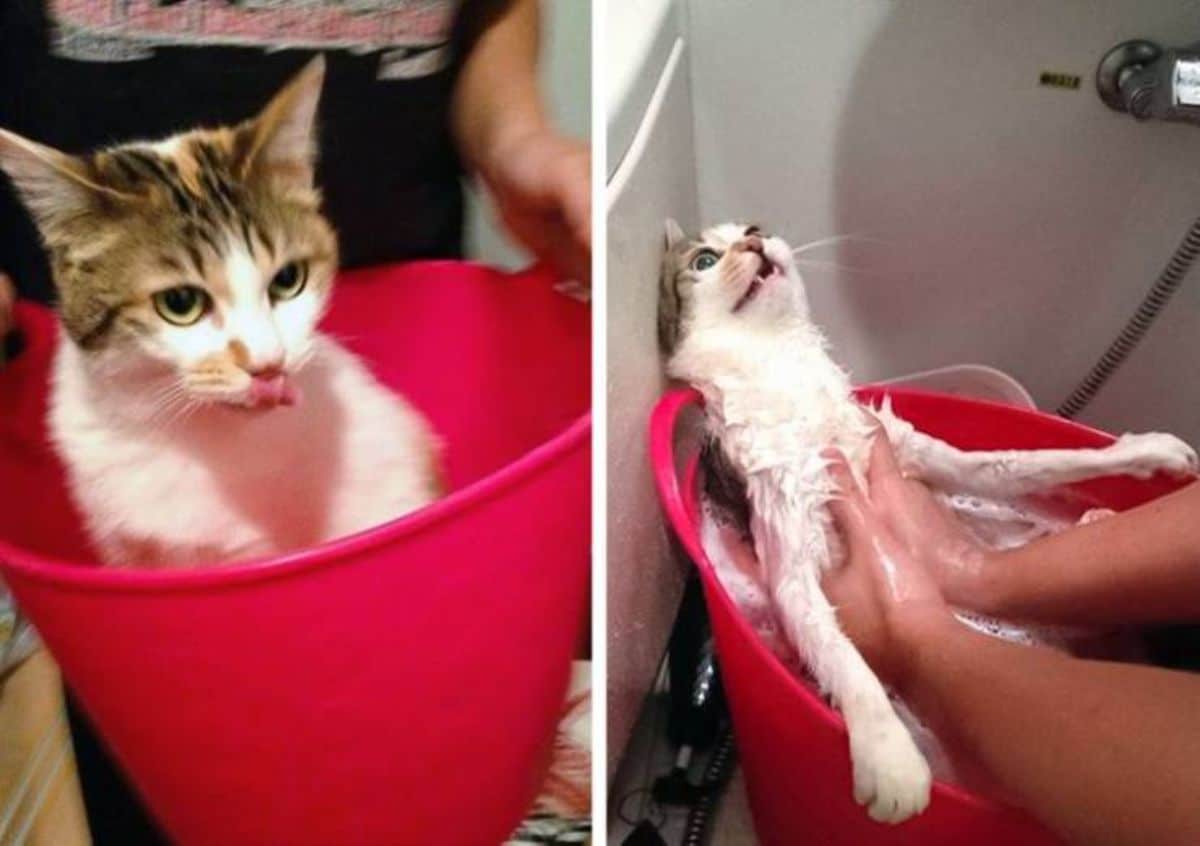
x=165, y=404
x=305, y=357
x=181, y=410
x=166, y=391
x=160, y=418
x=162, y=396
x=835, y=267
x=342, y=338
x=838, y=239
x=186, y=409
x=167, y=419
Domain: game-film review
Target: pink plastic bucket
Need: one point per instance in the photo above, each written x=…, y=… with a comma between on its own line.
x=792, y=746
x=399, y=686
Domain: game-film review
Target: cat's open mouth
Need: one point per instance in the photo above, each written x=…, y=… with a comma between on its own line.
x=767, y=270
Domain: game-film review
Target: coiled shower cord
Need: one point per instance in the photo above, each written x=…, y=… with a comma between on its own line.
x=1155, y=300
x=720, y=767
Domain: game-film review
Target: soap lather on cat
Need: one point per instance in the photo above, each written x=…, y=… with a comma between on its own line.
x=191, y=273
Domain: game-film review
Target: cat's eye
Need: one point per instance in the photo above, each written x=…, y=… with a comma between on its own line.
x=182, y=305
x=704, y=260
x=289, y=281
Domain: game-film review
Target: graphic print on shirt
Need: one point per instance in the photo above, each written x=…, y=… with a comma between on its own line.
x=411, y=36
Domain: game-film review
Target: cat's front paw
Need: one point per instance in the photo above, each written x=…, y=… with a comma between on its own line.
x=1157, y=452
x=891, y=777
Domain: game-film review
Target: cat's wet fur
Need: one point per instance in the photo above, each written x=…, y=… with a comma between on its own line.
x=735, y=324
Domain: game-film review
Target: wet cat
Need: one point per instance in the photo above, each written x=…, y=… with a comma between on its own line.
x=734, y=322
x=191, y=273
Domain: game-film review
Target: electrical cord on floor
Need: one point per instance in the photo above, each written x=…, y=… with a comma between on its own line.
x=705, y=723
x=1155, y=300
x=675, y=789
x=716, y=776
x=698, y=721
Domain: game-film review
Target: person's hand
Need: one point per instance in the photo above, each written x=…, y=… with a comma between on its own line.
x=541, y=184
x=883, y=592
x=927, y=529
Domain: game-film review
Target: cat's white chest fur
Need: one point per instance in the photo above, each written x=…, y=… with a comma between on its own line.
x=224, y=483
x=775, y=408
x=777, y=436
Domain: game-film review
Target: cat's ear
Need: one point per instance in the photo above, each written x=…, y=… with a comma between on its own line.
x=52, y=184
x=283, y=138
x=674, y=233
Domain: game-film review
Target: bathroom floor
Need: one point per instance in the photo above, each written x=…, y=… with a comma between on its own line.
x=562, y=813
x=40, y=803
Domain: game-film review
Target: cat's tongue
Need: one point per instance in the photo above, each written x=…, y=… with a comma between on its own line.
x=272, y=391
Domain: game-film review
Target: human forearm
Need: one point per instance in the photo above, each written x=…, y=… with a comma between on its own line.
x=496, y=99
x=538, y=179
x=1137, y=567
x=1100, y=752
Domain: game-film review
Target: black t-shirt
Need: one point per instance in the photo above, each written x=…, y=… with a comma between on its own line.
x=79, y=74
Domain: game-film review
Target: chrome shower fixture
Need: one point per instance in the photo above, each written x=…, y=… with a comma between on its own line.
x=1150, y=81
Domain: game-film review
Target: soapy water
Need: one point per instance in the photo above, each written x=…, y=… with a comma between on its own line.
x=1003, y=525
x=997, y=524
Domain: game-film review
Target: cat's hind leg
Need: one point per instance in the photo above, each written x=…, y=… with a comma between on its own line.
x=891, y=777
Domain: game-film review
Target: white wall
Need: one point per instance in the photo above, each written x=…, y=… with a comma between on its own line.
x=656, y=179
x=566, y=76
x=1022, y=224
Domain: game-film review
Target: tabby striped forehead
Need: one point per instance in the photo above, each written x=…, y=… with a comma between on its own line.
x=718, y=238
x=197, y=178
x=723, y=236
x=188, y=211
x=198, y=209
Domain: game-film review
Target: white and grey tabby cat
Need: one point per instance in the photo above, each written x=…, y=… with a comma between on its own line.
x=191, y=273
x=735, y=323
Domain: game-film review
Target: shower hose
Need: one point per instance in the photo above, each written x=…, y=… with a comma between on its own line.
x=1152, y=304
